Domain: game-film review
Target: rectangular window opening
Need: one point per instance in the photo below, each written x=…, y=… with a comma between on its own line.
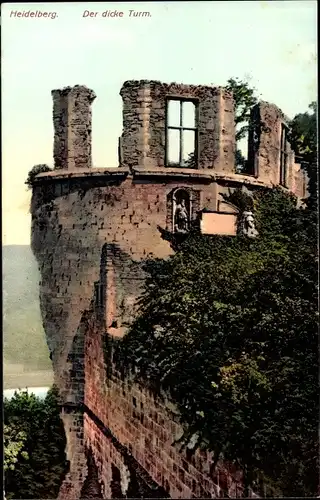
x=244, y=160
x=283, y=155
x=182, y=133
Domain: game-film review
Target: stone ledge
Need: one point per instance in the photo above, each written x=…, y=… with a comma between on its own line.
x=173, y=172
x=152, y=173
x=200, y=174
x=81, y=173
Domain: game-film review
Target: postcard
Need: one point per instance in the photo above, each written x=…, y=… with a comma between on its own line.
x=160, y=251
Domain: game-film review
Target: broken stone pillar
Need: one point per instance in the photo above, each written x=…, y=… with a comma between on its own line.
x=266, y=124
x=135, y=137
x=144, y=141
x=72, y=127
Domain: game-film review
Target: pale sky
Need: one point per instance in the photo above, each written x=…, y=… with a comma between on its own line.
x=273, y=43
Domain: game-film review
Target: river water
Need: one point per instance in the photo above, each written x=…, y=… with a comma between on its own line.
x=40, y=392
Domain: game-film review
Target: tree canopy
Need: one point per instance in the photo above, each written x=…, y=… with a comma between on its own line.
x=34, y=446
x=303, y=137
x=36, y=170
x=228, y=326
x=245, y=97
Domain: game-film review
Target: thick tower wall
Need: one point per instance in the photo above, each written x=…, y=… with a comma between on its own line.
x=73, y=218
x=68, y=234
x=143, y=142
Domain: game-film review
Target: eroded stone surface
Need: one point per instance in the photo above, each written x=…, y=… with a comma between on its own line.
x=72, y=127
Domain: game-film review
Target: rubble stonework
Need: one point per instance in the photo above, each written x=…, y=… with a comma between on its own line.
x=144, y=124
x=72, y=127
x=265, y=150
x=92, y=230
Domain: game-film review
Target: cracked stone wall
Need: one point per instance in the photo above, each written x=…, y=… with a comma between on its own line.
x=144, y=124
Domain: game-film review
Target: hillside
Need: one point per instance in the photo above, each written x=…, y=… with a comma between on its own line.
x=24, y=346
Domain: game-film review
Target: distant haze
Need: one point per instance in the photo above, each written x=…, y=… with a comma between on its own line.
x=26, y=355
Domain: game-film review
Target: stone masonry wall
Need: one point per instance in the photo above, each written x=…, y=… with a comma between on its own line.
x=267, y=120
x=69, y=232
x=72, y=127
x=147, y=427
x=144, y=124
x=79, y=212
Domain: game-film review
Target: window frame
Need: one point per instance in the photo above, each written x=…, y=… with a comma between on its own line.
x=284, y=155
x=181, y=129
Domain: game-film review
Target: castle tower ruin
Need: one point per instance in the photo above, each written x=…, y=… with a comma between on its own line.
x=92, y=231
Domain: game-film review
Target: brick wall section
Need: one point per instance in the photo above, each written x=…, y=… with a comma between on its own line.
x=144, y=124
x=147, y=426
x=74, y=428
x=72, y=127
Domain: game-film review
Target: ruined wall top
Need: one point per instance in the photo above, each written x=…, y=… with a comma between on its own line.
x=72, y=127
x=81, y=91
x=171, y=87
x=177, y=125
x=172, y=128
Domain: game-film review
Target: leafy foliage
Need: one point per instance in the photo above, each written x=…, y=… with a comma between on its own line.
x=13, y=447
x=34, y=446
x=37, y=169
x=304, y=142
x=245, y=98
x=228, y=327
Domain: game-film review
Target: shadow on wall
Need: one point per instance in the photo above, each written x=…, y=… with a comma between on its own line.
x=91, y=488
x=120, y=284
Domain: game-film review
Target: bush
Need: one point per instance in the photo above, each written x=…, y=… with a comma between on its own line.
x=34, y=446
x=37, y=169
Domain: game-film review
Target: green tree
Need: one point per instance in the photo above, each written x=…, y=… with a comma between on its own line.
x=228, y=326
x=303, y=137
x=37, y=169
x=38, y=422
x=245, y=97
x=13, y=446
